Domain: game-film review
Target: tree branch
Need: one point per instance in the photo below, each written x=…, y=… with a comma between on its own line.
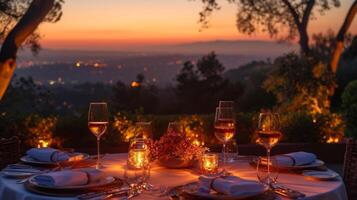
x=341, y=37
x=307, y=13
x=293, y=12
x=35, y=14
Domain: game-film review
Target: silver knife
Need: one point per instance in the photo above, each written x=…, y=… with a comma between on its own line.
x=91, y=195
x=287, y=192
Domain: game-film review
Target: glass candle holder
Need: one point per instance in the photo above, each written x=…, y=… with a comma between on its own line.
x=209, y=163
x=138, y=154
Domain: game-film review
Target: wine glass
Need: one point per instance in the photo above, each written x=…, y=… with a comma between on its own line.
x=135, y=178
x=138, y=165
x=265, y=176
x=98, y=118
x=224, y=125
x=225, y=104
x=268, y=135
x=231, y=151
x=143, y=130
x=175, y=127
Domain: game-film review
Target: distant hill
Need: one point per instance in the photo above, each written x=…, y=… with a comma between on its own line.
x=252, y=48
x=159, y=64
x=257, y=48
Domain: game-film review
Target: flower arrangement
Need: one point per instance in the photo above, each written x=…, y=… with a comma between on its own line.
x=176, y=146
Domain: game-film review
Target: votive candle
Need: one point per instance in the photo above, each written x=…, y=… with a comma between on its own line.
x=209, y=163
x=137, y=158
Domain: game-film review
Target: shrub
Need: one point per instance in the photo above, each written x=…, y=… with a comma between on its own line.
x=349, y=104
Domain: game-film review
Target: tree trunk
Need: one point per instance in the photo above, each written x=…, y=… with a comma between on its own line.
x=341, y=37
x=304, y=41
x=35, y=14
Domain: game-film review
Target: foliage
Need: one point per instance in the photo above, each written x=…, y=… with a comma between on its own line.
x=124, y=126
x=286, y=18
x=324, y=43
x=349, y=103
x=23, y=99
x=302, y=127
x=137, y=96
x=201, y=86
x=252, y=76
x=194, y=128
x=305, y=84
x=351, y=51
x=40, y=131
x=12, y=10
x=301, y=84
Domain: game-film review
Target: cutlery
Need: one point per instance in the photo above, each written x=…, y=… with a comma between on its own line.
x=92, y=195
x=287, y=192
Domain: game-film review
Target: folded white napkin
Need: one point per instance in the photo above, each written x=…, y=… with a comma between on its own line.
x=48, y=154
x=295, y=159
x=230, y=185
x=70, y=177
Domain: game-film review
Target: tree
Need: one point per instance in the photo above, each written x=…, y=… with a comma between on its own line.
x=201, y=86
x=135, y=97
x=28, y=14
x=340, y=38
x=294, y=15
x=300, y=83
x=273, y=15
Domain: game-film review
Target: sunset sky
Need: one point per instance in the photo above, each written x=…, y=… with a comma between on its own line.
x=117, y=24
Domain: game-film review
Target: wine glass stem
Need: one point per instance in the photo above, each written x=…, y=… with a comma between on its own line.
x=224, y=156
x=268, y=166
x=98, y=153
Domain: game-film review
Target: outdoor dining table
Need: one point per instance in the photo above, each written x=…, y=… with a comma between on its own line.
x=160, y=176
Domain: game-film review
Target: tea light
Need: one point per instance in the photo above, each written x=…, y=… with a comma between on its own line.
x=137, y=158
x=209, y=163
x=42, y=144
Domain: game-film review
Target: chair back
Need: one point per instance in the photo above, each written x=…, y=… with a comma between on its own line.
x=9, y=151
x=350, y=168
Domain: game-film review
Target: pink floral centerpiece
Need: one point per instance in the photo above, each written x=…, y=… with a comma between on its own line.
x=175, y=150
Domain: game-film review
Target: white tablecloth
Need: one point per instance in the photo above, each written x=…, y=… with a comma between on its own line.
x=315, y=190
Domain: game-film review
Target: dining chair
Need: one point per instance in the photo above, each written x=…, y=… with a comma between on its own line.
x=9, y=151
x=350, y=168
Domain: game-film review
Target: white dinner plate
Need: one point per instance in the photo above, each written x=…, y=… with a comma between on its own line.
x=103, y=182
x=29, y=160
x=317, y=163
x=320, y=175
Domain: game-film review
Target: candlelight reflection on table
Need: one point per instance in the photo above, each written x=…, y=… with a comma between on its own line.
x=209, y=163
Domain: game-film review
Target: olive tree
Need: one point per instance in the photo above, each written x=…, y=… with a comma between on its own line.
x=19, y=20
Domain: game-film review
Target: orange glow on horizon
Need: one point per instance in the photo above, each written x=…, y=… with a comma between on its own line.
x=112, y=23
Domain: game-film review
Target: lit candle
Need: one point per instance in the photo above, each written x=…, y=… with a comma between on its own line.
x=209, y=163
x=137, y=158
x=42, y=144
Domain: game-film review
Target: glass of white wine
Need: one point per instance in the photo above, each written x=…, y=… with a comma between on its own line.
x=98, y=118
x=224, y=128
x=226, y=104
x=144, y=130
x=268, y=135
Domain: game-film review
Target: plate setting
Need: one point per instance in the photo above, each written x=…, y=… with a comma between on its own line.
x=190, y=191
x=106, y=183
x=316, y=164
x=31, y=161
x=320, y=175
